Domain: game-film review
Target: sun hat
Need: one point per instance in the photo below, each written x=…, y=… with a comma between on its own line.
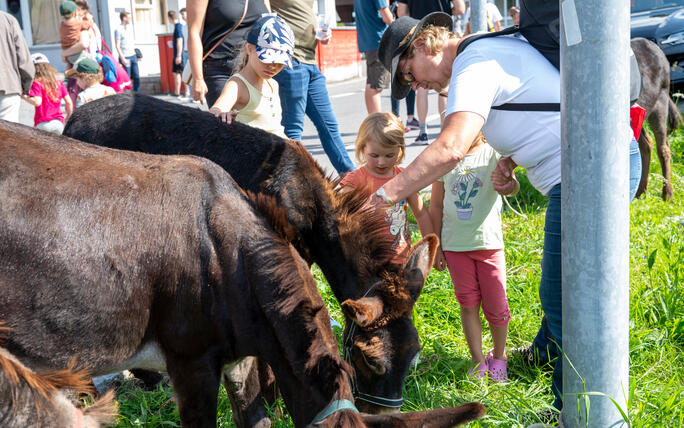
x=398, y=37
x=39, y=58
x=274, y=40
x=86, y=65
x=67, y=7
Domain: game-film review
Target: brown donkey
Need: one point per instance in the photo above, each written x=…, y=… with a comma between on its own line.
x=336, y=231
x=660, y=110
x=125, y=259
x=29, y=399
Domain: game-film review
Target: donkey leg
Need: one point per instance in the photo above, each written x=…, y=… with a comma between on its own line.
x=645, y=146
x=658, y=122
x=244, y=391
x=195, y=385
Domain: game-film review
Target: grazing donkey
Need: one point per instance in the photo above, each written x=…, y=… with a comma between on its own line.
x=125, y=259
x=339, y=232
x=29, y=399
x=660, y=110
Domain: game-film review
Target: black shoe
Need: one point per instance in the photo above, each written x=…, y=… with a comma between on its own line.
x=421, y=140
x=531, y=357
x=549, y=416
x=413, y=123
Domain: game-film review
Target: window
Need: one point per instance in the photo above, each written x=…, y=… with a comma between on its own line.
x=45, y=20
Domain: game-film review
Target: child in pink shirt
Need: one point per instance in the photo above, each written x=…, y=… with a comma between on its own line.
x=380, y=148
x=46, y=95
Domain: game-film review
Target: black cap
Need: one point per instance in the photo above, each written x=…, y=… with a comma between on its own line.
x=398, y=37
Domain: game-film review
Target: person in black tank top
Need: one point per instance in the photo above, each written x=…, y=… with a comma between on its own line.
x=220, y=17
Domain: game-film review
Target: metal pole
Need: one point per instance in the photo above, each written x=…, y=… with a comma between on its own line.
x=595, y=209
x=478, y=20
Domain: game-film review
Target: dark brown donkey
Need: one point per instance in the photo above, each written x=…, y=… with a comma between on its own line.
x=29, y=399
x=660, y=111
x=336, y=231
x=125, y=259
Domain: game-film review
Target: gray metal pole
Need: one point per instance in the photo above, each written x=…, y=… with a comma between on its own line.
x=478, y=20
x=595, y=209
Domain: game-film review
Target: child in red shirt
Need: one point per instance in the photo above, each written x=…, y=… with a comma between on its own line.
x=46, y=95
x=380, y=148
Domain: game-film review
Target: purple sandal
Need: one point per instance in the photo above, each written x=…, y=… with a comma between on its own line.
x=497, y=369
x=479, y=371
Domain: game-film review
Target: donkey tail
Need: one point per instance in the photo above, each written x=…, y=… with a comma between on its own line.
x=104, y=410
x=673, y=116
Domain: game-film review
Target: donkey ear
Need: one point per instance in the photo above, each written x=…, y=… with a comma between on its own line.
x=363, y=311
x=419, y=263
x=438, y=418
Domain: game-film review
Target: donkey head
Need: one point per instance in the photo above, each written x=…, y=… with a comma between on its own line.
x=381, y=341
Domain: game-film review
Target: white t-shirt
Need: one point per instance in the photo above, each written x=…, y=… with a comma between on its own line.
x=95, y=92
x=185, y=36
x=126, y=41
x=492, y=14
x=500, y=70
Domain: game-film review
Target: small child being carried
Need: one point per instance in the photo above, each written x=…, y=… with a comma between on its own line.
x=251, y=94
x=466, y=214
x=74, y=33
x=380, y=147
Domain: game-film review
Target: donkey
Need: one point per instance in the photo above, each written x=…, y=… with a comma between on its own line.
x=125, y=259
x=29, y=399
x=336, y=231
x=660, y=110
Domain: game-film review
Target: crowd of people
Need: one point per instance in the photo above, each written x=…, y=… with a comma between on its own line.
x=254, y=62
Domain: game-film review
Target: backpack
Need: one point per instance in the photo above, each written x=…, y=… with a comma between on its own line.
x=540, y=25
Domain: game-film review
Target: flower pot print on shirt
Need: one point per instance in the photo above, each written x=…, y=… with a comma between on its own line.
x=465, y=187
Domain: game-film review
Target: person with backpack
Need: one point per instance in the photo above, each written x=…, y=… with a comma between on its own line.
x=497, y=85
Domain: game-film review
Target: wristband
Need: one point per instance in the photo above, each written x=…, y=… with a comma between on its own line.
x=381, y=193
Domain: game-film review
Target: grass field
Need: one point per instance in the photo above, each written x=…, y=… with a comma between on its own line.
x=656, y=395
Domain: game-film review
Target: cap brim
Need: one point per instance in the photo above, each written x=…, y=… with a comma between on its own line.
x=273, y=56
x=400, y=88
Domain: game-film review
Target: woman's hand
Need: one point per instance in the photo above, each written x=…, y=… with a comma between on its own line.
x=199, y=90
x=503, y=178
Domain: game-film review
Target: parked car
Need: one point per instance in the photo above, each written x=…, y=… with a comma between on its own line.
x=662, y=21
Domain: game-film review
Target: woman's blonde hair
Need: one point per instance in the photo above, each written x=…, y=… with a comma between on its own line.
x=435, y=38
x=384, y=128
x=47, y=75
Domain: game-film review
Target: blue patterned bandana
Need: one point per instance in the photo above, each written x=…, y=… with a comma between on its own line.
x=274, y=40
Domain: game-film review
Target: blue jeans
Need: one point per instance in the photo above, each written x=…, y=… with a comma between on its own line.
x=133, y=72
x=550, y=287
x=410, y=104
x=303, y=91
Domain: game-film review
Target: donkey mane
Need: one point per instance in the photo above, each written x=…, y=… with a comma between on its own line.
x=43, y=385
x=323, y=356
x=274, y=213
x=362, y=231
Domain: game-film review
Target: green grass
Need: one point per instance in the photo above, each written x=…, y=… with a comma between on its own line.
x=656, y=396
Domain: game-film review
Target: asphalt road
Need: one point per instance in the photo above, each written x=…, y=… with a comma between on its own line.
x=349, y=106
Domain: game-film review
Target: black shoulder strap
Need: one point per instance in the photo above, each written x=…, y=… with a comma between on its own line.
x=470, y=39
x=508, y=106
x=528, y=107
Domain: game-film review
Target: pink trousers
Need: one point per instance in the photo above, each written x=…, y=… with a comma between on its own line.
x=479, y=276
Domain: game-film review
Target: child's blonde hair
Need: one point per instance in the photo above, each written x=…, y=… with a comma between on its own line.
x=384, y=128
x=47, y=75
x=242, y=58
x=89, y=78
